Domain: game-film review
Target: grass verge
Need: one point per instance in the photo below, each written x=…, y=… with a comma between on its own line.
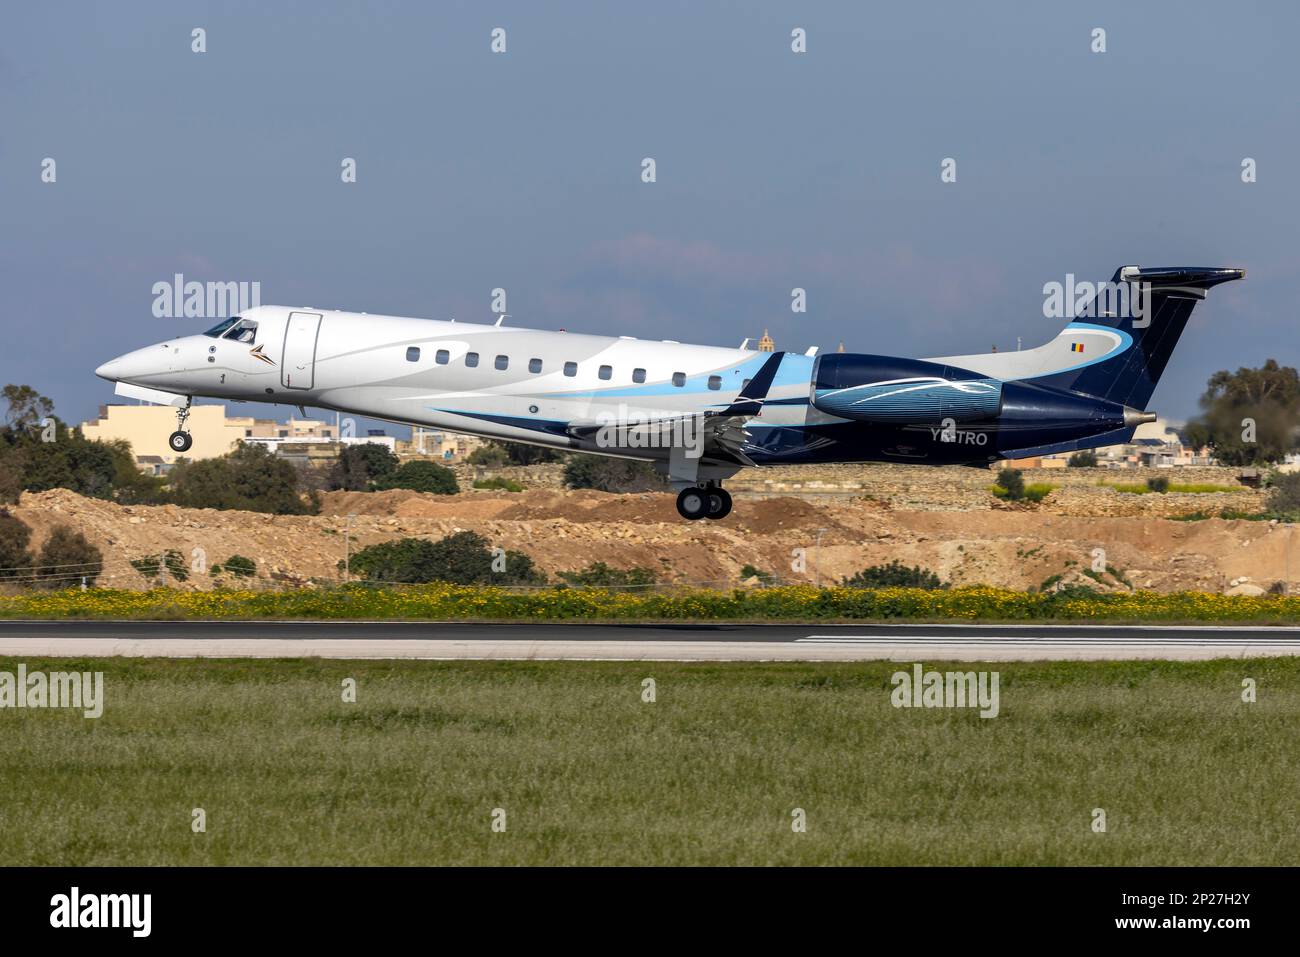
x=587, y=772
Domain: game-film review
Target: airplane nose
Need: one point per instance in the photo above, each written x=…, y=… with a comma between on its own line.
x=109, y=369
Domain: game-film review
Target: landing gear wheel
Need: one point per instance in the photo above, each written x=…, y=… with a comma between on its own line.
x=693, y=503
x=719, y=503
x=180, y=441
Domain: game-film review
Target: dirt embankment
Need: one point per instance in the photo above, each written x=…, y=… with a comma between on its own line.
x=906, y=518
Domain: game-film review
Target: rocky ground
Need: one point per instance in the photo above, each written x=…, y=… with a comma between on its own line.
x=942, y=519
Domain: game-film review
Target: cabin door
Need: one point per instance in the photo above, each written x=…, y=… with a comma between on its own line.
x=298, y=364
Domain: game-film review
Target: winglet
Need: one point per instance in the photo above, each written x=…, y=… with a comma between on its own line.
x=750, y=400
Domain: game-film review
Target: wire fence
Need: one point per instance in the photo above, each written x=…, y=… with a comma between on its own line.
x=124, y=573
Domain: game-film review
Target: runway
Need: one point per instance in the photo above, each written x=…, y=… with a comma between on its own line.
x=636, y=642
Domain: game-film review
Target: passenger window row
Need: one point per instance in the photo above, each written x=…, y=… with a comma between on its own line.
x=442, y=357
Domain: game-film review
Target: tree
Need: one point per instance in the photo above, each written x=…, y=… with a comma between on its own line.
x=607, y=474
x=894, y=575
x=27, y=407
x=249, y=478
x=1085, y=459
x=500, y=454
x=14, y=536
x=421, y=476
x=36, y=458
x=464, y=558
x=1249, y=417
x=1284, y=497
x=1013, y=483
x=66, y=558
x=359, y=465
x=490, y=454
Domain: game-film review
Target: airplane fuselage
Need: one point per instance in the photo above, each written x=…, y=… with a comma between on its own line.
x=699, y=413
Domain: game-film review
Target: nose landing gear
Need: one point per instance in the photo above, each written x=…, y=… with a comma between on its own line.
x=704, y=501
x=180, y=440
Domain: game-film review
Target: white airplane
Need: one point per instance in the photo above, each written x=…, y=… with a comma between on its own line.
x=698, y=413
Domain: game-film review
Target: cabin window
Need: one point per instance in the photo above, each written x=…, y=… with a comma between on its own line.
x=503, y=363
x=679, y=379
x=571, y=369
x=442, y=357
x=606, y=372
x=471, y=359
x=638, y=375
x=534, y=365
x=412, y=353
x=715, y=382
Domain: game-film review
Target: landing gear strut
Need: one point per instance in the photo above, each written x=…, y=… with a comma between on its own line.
x=704, y=501
x=180, y=440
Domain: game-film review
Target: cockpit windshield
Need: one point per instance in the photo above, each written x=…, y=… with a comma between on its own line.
x=245, y=330
x=216, y=331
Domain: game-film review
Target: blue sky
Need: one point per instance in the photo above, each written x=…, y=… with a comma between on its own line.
x=522, y=170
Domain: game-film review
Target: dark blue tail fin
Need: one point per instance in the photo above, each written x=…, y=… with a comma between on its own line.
x=1165, y=299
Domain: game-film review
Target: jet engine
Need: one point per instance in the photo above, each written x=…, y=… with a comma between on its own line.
x=890, y=390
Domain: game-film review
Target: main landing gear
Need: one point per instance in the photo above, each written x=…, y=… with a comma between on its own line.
x=180, y=440
x=704, y=501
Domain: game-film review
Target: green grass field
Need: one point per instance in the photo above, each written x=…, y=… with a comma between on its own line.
x=709, y=773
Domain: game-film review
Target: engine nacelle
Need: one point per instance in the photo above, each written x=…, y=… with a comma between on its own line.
x=887, y=389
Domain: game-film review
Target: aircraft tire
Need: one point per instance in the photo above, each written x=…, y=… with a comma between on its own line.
x=180, y=441
x=693, y=503
x=719, y=503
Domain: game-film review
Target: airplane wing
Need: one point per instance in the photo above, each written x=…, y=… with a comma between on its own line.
x=722, y=432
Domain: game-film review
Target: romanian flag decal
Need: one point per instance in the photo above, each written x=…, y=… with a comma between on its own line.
x=1076, y=346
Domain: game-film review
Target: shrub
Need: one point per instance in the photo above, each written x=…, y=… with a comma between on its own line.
x=1284, y=496
x=607, y=474
x=14, y=536
x=749, y=571
x=359, y=465
x=175, y=563
x=420, y=476
x=240, y=567
x=464, y=558
x=1085, y=459
x=1158, y=483
x=249, y=478
x=1012, y=484
x=497, y=482
x=148, y=565
x=66, y=558
x=1038, y=491
x=600, y=575
x=497, y=454
x=894, y=575
x=493, y=455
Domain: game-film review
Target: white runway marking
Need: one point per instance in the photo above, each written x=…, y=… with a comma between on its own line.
x=810, y=648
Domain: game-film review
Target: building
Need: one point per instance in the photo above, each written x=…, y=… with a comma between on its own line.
x=147, y=427
x=767, y=343
x=435, y=444
x=1155, y=445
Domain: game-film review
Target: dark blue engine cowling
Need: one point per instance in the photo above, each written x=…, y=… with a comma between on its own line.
x=893, y=390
